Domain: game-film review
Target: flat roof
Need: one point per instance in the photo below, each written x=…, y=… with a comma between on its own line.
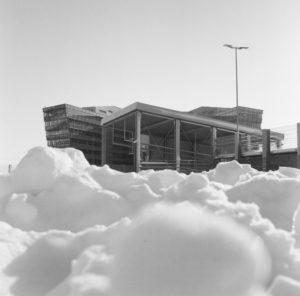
x=64, y=105
x=198, y=119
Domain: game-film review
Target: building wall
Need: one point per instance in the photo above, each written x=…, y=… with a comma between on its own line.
x=70, y=126
x=255, y=161
x=278, y=159
x=287, y=159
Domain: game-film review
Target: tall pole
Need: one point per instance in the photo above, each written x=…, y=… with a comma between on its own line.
x=237, y=97
x=237, y=139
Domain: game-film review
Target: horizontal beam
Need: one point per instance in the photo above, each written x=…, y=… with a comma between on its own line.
x=159, y=111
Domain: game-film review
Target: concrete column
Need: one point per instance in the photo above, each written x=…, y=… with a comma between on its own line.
x=298, y=145
x=103, y=145
x=195, y=145
x=248, y=143
x=177, y=144
x=138, y=141
x=266, y=150
x=213, y=145
x=237, y=146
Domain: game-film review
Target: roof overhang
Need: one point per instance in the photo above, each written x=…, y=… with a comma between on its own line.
x=169, y=113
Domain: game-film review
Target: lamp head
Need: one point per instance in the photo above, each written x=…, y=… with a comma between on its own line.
x=235, y=47
x=228, y=45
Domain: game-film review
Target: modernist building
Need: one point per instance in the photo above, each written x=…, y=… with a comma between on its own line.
x=70, y=126
x=142, y=136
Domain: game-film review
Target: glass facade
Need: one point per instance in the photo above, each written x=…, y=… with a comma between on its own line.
x=157, y=146
x=119, y=143
x=196, y=151
x=70, y=126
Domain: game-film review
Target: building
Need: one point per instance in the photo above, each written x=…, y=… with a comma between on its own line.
x=142, y=136
x=70, y=126
x=247, y=116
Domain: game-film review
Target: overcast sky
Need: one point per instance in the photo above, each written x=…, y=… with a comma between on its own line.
x=164, y=52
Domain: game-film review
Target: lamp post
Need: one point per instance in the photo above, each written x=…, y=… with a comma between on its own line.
x=237, y=142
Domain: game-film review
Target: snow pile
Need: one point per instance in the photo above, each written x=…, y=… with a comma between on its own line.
x=184, y=257
x=285, y=286
x=277, y=197
x=72, y=229
x=230, y=172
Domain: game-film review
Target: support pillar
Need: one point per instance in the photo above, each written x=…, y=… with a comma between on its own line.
x=103, y=145
x=177, y=144
x=298, y=145
x=237, y=149
x=266, y=149
x=248, y=141
x=213, y=145
x=195, y=146
x=138, y=141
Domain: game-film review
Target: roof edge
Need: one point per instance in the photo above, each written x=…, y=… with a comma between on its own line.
x=155, y=110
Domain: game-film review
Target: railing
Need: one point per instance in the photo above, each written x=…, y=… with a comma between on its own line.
x=225, y=146
x=196, y=161
x=158, y=165
x=251, y=143
x=157, y=157
x=281, y=138
x=157, y=153
x=288, y=135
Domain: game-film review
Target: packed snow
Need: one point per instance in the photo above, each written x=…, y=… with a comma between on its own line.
x=72, y=229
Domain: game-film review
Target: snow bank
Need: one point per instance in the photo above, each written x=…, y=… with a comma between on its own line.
x=185, y=250
x=277, y=197
x=237, y=170
x=69, y=228
x=40, y=167
x=285, y=286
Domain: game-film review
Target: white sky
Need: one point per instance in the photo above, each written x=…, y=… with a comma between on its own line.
x=164, y=52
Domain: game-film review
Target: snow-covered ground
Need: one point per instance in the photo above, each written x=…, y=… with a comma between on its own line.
x=71, y=229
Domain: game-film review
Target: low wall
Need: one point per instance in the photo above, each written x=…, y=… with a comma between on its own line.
x=254, y=159
x=283, y=158
x=279, y=158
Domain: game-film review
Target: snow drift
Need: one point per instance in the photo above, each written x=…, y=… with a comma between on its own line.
x=69, y=228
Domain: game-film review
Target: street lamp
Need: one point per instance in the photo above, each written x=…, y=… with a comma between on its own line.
x=237, y=142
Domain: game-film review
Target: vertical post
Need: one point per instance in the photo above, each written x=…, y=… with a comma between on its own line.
x=138, y=141
x=195, y=146
x=298, y=145
x=213, y=145
x=103, y=145
x=237, y=94
x=248, y=141
x=237, y=146
x=237, y=135
x=266, y=150
x=177, y=144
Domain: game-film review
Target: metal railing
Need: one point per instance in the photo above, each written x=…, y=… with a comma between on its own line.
x=289, y=137
x=251, y=143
